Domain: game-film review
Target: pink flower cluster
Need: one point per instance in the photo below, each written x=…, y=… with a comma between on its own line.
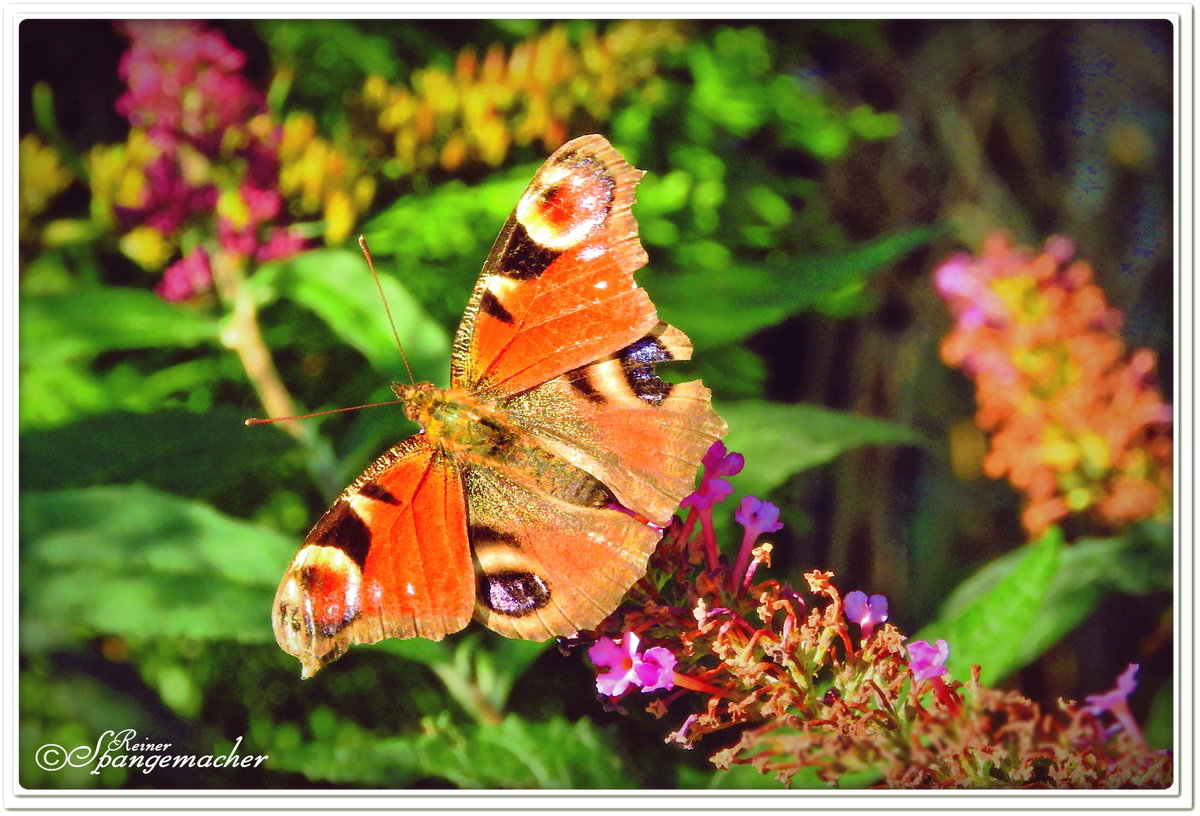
x=185, y=83
x=186, y=90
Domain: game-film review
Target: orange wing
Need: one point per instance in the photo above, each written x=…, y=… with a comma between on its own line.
x=550, y=565
x=389, y=559
x=617, y=420
x=560, y=337
x=557, y=290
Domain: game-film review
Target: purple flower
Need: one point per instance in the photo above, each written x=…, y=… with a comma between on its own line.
x=717, y=462
x=653, y=669
x=1116, y=702
x=1100, y=703
x=926, y=661
x=186, y=277
x=712, y=491
x=758, y=517
x=867, y=612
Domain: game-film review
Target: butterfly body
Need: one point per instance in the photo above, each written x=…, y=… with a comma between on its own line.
x=541, y=479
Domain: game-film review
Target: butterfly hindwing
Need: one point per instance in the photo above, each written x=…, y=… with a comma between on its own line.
x=389, y=559
x=548, y=566
x=619, y=421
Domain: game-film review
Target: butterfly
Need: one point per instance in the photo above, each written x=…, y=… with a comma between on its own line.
x=542, y=478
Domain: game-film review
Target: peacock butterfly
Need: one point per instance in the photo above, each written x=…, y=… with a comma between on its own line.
x=541, y=479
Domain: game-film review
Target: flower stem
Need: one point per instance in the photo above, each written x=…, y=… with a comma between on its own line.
x=244, y=337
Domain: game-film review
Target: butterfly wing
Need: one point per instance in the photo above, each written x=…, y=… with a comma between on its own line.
x=559, y=335
x=618, y=420
x=557, y=291
x=550, y=565
x=390, y=558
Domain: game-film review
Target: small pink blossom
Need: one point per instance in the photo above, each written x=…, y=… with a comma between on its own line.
x=186, y=278
x=652, y=670
x=1116, y=703
x=713, y=490
x=718, y=462
x=928, y=661
x=866, y=612
x=758, y=517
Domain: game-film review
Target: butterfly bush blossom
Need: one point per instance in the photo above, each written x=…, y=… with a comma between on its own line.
x=1076, y=422
x=781, y=666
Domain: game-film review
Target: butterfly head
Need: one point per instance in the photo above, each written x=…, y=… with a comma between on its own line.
x=457, y=419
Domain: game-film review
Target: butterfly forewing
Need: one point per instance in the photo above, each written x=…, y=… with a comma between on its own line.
x=389, y=559
x=557, y=291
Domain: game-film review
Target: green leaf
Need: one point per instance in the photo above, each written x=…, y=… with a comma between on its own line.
x=57, y=328
x=1138, y=562
x=337, y=286
x=732, y=302
x=1159, y=728
x=475, y=667
x=140, y=563
x=988, y=622
x=513, y=753
x=177, y=451
x=780, y=439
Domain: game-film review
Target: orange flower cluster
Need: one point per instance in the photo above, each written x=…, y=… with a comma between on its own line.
x=532, y=94
x=1076, y=423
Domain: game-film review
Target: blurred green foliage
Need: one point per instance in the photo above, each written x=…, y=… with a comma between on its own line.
x=154, y=527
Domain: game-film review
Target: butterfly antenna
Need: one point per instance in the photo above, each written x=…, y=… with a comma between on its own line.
x=258, y=421
x=362, y=243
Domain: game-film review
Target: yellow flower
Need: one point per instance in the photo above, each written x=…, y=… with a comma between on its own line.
x=42, y=177
x=339, y=217
x=116, y=175
x=147, y=247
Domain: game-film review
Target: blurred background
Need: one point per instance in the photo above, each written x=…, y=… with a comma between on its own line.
x=190, y=198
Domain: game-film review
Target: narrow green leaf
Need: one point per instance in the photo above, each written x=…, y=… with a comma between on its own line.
x=991, y=626
x=137, y=562
x=337, y=286
x=178, y=451
x=55, y=328
x=731, y=303
x=780, y=439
